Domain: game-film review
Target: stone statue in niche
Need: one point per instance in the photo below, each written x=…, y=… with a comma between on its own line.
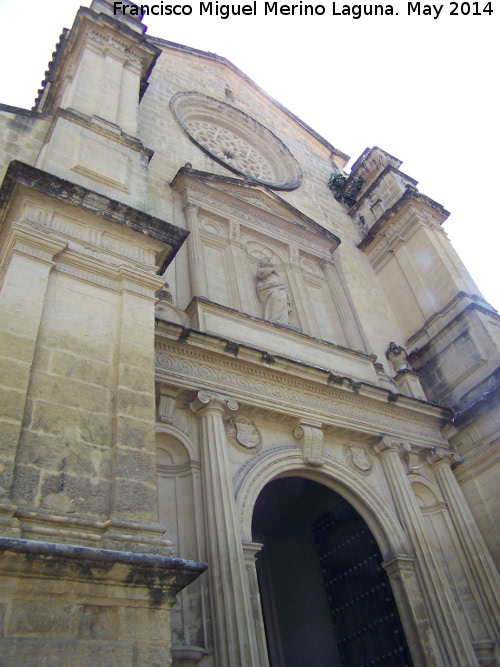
x=272, y=293
x=398, y=357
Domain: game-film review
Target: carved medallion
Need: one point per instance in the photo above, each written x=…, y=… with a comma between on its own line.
x=236, y=140
x=359, y=457
x=244, y=432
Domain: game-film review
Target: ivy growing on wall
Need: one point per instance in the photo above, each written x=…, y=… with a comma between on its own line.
x=344, y=189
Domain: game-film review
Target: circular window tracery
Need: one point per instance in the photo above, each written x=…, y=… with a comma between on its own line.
x=237, y=141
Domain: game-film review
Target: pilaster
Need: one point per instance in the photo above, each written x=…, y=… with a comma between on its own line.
x=195, y=249
x=349, y=321
x=27, y=262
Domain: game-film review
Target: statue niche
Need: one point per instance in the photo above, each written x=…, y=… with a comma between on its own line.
x=272, y=293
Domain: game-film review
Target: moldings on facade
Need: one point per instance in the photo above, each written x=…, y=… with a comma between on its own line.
x=218, y=381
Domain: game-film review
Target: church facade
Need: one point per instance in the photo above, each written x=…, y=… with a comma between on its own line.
x=249, y=405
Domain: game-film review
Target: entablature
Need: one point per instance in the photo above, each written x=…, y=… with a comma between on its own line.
x=192, y=360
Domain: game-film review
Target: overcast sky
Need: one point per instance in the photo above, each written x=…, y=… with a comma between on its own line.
x=424, y=89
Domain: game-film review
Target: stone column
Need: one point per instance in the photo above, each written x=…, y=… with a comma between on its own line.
x=482, y=568
x=250, y=551
x=195, y=248
x=28, y=261
x=234, y=631
x=445, y=616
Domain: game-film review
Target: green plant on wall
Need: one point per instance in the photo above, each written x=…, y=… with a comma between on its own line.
x=344, y=189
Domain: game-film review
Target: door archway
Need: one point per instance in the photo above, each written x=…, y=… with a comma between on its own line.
x=326, y=599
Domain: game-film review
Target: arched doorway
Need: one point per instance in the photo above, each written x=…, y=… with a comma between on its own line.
x=326, y=600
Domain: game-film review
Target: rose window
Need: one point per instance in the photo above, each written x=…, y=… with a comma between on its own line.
x=236, y=140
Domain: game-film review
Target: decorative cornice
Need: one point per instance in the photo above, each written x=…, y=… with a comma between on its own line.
x=288, y=393
x=21, y=174
x=395, y=215
x=101, y=26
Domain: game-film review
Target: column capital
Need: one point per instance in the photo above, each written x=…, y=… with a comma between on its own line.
x=442, y=455
x=392, y=444
x=326, y=264
x=189, y=207
x=207, y=400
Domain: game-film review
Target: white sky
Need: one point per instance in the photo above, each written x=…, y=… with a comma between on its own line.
x=426, y=90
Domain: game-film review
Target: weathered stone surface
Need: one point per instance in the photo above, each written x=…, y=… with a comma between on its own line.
x=91, y=384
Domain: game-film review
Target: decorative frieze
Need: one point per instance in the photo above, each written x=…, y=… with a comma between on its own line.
x=290, y=394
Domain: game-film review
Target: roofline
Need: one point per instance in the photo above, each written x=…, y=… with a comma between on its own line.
x=228, y=63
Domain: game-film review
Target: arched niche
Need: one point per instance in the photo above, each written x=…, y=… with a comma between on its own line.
x=180, y=510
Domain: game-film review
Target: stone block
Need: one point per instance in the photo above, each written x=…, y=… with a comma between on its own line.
x=135, y=465
x=95, y=427
x=153, y=656
x=9, y=438
x=135, y=433
x=98, y=622
x=40, y=616
x=12, y=404
x=72, y=493
x=25, y=484
x=14, y=373
x=136, y=378
x=84, y=369
x=133, y=620
x=134, y=500
x=135, y=404
x=71, y=393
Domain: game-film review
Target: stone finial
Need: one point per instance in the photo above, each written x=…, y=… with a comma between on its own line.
x=398, y=357
x=164, y=293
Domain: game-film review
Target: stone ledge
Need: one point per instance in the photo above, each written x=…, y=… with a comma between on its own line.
x=21, y=174
x=100, y=557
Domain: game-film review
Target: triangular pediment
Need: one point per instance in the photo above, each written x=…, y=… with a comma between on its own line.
x=251, y=199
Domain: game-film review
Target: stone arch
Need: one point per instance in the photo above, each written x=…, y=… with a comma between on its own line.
x=381, y=520
x=395, y=547
x=426, y=494
x=175, y=439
